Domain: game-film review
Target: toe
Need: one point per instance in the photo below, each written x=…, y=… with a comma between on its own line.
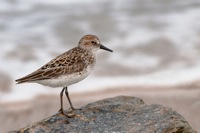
x=67, y=114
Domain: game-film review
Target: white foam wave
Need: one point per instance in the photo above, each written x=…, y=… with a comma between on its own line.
x=182, y=28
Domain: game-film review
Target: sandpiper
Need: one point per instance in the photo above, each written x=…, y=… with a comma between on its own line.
x=68, y=68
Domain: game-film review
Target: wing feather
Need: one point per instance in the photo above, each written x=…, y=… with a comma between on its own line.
x=67, y=63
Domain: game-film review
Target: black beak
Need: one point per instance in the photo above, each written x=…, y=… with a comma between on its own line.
x=105, y=48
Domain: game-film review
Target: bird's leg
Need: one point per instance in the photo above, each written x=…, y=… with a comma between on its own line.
x=61, y=101
x=61, y=105
x=67, y=94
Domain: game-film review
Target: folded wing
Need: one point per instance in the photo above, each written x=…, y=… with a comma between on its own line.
x=64, y=64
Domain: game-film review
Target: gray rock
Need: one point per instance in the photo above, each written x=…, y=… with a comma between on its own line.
x=115, y=115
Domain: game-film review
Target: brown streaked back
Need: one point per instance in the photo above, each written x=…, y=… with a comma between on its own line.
x=72, y=61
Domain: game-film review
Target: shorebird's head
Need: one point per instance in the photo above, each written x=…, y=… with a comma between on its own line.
x=92, y=43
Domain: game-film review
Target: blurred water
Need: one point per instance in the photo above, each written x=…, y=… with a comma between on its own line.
x=155, y=42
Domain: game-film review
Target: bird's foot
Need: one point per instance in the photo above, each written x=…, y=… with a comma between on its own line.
x=68, y=114
x=71, y=109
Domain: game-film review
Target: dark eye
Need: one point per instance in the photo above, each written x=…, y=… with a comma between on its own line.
x=93, y=42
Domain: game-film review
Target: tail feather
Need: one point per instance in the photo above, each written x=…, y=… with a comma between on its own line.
x=37, y=75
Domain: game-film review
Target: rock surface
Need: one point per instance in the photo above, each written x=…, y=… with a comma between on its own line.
x=117, y=115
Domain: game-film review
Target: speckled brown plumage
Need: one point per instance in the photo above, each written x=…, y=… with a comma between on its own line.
x=72, y=61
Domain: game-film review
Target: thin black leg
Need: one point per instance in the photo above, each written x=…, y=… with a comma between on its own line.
x=67, y=94
x=61, y=101
x=61, y=105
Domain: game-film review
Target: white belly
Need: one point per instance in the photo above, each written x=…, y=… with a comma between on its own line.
x=65, y=80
